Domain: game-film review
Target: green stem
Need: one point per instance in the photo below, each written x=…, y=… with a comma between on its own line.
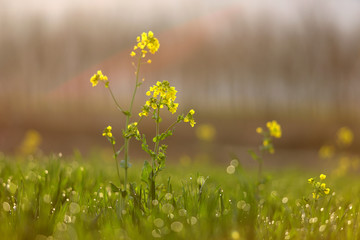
x=260, y=160
x=171, y=126
x=117, y=164
x=127, y=140
x=156, y=151
x=116, y=103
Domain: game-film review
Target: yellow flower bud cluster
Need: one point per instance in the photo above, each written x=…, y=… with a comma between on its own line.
x=99, y=77
x=132, y=131
x=146, y=42
x=108, y=134
x=190, y=118
x=162, y=94
x=319, y=187
x=274, y=131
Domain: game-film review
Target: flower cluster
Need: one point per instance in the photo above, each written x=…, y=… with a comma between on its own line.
x=108, y=134
x=274, y=131
x=344, y=136
x=146, y=41
x=161, y=94
x=132, y=131
x=99, y=77
x=190, y=118
x=319, y=187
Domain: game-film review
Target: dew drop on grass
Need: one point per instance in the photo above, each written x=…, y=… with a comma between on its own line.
x=240, y=204
x=74, y=208
x=156, y=233
x=234, y=163
x=12, y=187
x=313, y=220
x=47, y=198
x=67, y=219
x=247, y=207
x=168, y=196
x=230, y=169
x=182, y=212
x=193, y=220
x=167, y=208
x=6, y=206
x=274, y=194
x=176, y=226
x=159, y=223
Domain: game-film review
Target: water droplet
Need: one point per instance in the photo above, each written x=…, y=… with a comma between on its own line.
x=159, y=223
x=6, y=206
x=177, y=226
x=230, y=169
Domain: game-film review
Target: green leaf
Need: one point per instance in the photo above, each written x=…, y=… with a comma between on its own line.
x=114, y=188
x=122, y=164
x=146, y=172
x=253, y=155
x=127, y=113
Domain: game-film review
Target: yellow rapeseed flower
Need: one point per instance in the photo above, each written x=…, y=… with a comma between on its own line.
x=315, y=196
x=327, y=191
x=259, y=130
x=146, y=40
x=322, y=176
x=274, y=128
x=99, y=77
x=107, y=133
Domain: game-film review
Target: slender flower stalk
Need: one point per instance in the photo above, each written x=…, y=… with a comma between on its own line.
x=146, y=42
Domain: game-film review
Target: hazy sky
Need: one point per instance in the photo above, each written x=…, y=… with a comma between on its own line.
x=343, y=12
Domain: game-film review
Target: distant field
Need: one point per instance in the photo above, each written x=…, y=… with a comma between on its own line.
x=50, y=197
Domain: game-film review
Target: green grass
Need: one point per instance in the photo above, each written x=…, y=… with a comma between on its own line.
x=73, y=199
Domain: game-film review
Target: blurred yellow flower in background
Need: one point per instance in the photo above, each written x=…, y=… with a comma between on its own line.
x=206, y=132
x=30, y=143
x=326, y=151
x=344, y=136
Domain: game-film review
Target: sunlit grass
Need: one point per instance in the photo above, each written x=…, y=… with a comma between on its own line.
x=72, y=198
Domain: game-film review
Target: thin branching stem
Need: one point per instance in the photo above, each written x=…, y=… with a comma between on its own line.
x=128, y=115
x=116, y=102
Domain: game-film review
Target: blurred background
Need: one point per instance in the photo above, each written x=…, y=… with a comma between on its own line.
x=239, y=64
